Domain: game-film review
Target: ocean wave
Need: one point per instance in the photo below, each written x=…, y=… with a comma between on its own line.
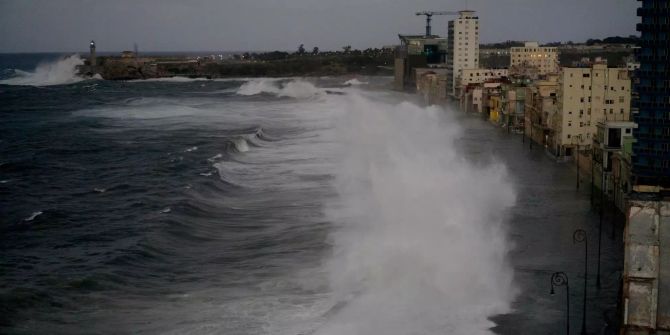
x=355, y=82
x=176, y=79
x=292, y=89
x=33, y=216
x=60, y=72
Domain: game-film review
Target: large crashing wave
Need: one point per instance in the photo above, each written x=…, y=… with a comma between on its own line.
x=60, y=72
x=420, y=246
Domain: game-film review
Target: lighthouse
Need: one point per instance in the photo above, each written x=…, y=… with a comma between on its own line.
x=91, y=57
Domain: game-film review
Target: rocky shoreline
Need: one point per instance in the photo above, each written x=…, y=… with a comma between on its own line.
x=123, y=68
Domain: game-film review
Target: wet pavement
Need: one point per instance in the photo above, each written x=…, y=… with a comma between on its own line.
x=549, y=209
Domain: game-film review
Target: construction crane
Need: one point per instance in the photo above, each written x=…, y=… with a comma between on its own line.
x=429, y=17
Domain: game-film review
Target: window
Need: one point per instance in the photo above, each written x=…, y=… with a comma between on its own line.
x=611, y=110
x=568, y=134
x=621, y=112
x=586, y=75
x=627, y=130
x=582, y=88
x=621, y=99
x=581, y=99
x=581, y=124
x=589, y=99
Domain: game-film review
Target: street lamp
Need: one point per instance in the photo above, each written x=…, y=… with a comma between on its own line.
x=577, y=237
x=579, y=139
x=560, y=279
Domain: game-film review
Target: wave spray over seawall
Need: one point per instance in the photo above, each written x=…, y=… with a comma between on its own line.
x=60, y=72
x=419, y=244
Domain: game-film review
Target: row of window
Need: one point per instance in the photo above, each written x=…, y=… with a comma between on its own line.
x=611, y=111
x=518, y=49
x=607, y=101
x=611, y=88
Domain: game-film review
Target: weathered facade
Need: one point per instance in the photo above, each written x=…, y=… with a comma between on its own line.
x=646, y=271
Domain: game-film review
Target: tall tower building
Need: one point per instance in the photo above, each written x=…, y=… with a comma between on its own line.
x=462, y=47
x=91, y=57
x=651, y=151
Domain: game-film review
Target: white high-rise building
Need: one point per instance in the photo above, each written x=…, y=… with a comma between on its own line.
x=462, y=47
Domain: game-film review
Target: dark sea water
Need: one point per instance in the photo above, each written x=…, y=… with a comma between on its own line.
x=277, y=206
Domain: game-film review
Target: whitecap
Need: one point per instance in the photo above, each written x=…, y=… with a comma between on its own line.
x=214, y=158
x=292, y=89
x=60, y=72
x=241, y=145
x=191, y=149
x=355, y=82
x=33, y=216
x=166, y=210
x=100, y=190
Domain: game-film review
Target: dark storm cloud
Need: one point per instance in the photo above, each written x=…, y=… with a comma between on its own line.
x=171, y=25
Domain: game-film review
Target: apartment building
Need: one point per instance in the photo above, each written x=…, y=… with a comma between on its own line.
x=587, y=96
x=544, y=59
x=462, y=47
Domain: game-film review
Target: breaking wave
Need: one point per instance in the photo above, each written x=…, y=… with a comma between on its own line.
x=291, y=89
x=60, y=72
x=420, y=245
x=354, y=82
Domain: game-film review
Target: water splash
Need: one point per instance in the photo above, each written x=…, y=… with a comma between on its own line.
x=292, y=89
x=60, y=72
x=420, y=246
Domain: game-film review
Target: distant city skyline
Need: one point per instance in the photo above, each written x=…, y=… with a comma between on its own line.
x=264, y=25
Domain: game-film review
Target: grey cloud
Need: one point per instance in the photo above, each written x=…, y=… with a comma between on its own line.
x=160, y=25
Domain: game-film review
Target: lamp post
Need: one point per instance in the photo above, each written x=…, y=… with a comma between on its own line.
x=561, y=279
x=577, y=237
x=530, y=126
x=593, y=150
x=579, y=139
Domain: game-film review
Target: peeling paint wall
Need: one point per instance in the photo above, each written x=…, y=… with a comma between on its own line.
x=646, y=275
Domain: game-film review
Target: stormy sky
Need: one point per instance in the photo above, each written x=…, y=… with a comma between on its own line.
x=236, y=25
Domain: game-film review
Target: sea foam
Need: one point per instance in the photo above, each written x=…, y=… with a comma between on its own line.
x=60, y=72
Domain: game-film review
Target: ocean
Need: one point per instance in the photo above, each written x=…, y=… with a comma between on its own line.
x=274, y=206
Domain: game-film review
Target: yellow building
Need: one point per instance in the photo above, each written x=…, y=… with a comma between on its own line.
x=495, y=111
x=587, y=96
x=544, y=59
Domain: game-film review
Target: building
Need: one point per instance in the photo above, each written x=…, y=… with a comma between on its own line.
x=431, y=84
x=417, y=51
x=476, y=76
x=462, y=47
x=587, y=96
x=513, y=96
x=651, y=160
x=532, y=55
x=541, y=107
x=646, y=268
x=469, y=77
x=612, y=149
x=127, y=54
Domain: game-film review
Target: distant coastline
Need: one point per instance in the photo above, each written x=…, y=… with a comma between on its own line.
x=130, y=66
